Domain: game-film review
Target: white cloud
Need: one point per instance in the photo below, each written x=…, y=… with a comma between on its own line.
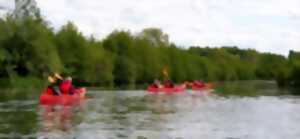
x=266, y=25
x=5, y=7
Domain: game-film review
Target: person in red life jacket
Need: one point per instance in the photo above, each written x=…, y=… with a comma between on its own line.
x=66, y=87
x=198, y=84
x=188, y=83
x=169, y=84
x=53, y=88
x=157, y=84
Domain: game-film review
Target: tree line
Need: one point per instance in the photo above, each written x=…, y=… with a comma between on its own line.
x=30, y=49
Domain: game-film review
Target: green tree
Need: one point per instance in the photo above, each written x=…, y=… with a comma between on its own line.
x=119, y=43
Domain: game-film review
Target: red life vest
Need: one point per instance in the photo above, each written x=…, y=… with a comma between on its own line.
x=49, y=91
x=199, y=84
x=65, y=86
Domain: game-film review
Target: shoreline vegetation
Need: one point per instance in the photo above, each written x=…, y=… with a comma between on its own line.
x=30, y=50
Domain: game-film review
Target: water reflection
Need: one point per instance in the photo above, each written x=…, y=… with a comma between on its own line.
x=59, y=121
x=56, y=118
x=135, y=114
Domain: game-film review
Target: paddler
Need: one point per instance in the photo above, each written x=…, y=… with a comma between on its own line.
x=54, y=81
x=169, y=84
x=157, y=84
x=198, y=84
x=67, y=87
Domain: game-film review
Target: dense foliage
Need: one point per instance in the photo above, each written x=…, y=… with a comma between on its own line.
x=30, y=50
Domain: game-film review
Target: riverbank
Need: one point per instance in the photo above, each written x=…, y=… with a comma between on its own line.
x=252, y=88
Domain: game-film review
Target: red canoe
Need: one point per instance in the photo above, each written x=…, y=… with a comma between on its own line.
x=196, y=88
x=46, y=99
x=176, y=89
x=201, y=88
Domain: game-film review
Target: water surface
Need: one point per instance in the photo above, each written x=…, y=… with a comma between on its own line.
x=262, y=114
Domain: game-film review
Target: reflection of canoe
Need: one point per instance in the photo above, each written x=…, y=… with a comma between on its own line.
x=176, y=89
x=55, y=118
x=47, y=99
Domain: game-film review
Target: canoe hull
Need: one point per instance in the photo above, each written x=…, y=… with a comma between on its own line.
x=46, y=99
x=176, y=89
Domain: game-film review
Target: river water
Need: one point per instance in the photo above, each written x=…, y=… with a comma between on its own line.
x=240, y=110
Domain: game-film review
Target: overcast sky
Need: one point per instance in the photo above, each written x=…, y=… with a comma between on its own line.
x=266, y=25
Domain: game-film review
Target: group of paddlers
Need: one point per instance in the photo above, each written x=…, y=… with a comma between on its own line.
x=59, y=85
x=193, y=84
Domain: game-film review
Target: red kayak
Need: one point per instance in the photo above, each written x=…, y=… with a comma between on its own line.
x=202, y=87
x=176, y=89
x=64, y=99
x=198, y=88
